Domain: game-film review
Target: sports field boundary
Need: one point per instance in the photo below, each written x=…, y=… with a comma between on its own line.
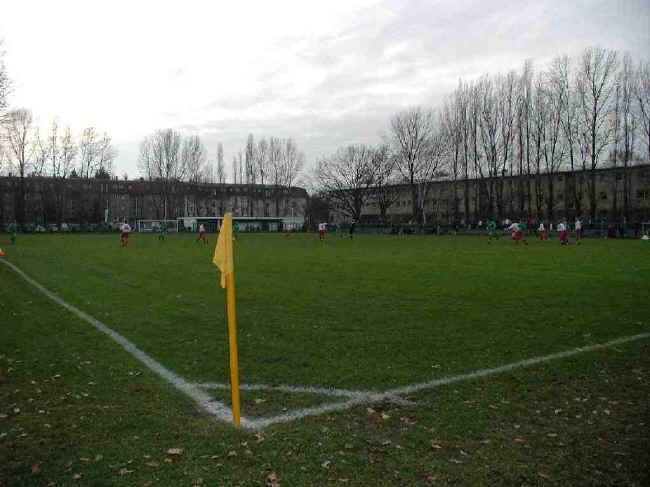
x=221, y=412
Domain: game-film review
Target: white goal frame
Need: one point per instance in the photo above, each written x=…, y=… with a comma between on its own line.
x=152, y=225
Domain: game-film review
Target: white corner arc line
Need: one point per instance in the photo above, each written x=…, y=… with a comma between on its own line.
x=205, y=401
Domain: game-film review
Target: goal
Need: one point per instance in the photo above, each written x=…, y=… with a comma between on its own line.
x=645, y=229
x=153, y=225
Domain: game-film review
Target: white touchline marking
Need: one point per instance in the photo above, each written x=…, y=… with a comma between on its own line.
x=355, y=398
x=515, y=365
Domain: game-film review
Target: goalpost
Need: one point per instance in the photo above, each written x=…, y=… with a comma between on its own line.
x=153, y=225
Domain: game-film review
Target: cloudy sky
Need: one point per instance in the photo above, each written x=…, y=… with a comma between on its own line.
x=326, y=74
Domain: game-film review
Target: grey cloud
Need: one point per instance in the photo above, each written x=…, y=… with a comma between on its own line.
x=364, y=84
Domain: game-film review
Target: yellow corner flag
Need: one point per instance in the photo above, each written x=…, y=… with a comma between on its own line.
x=223, y=256
x=224, y=260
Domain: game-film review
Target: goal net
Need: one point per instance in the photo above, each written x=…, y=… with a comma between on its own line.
x=154, y=225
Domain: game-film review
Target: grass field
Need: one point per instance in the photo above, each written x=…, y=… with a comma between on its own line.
x=373, y=314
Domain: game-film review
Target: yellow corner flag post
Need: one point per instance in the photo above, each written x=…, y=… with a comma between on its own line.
x=224, y=260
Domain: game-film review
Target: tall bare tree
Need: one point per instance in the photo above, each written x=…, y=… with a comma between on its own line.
x=5, y=85
x=88, y=155
x=193, y=158
x=642, y=95
x=262, y=160
x=385, y=191
x=554, y=98
x=221, y=168
x=451, y=121
x=412, y=134
x=160, y=160
x=18, y=127
x=595, y=89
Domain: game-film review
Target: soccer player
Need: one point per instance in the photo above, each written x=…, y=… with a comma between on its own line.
x=322, y=228
x=162, y=231
x=352, y=228
x=126, y=231
x=543, y=234
x=492, y=230
x=564, y=234
x=202, y=234
x=517, y=233
x=13, y=229
x=578, y=231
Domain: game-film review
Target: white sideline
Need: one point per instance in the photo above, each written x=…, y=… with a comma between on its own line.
x=355, y=398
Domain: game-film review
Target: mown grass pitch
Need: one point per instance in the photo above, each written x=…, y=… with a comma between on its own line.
x=375, y=313
x=372, y=313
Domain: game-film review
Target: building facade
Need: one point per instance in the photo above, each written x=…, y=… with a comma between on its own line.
x=43, y=201
x=617, y=192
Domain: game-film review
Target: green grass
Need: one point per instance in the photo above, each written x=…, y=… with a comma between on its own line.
x=372, y=314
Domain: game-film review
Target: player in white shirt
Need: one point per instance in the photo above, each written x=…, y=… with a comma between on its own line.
x=517, y=233
x=322, y=228
x=126, y=232
x=564, y=234
x=578, y=231
x=202, y=235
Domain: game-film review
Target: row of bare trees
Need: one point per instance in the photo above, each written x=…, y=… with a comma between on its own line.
x=578, y=115
x=169, y=157
x=58, y=154
x=273, y=162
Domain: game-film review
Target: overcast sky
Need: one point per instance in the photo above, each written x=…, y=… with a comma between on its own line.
x=326, y=74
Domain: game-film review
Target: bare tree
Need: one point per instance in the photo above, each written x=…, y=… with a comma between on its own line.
x=5, y=85
x=20, y=140
x=642, y=95
x=275, y=170
x=627, y=121
x=88, y=153
x=292, y=163
x=412, y=133
x=385, y=191
x=221, y=169
x=193, y=155
x=262, y=160
x=554, y=98
x=346, y=179
x=249, y=160
x=106, y=154
x=595, y=89
x=68, y=154
x=452, y=133
x=160, y=160
x=524, y=105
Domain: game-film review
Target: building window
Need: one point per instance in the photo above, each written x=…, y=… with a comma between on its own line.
x=603, y=195
x=643, y=195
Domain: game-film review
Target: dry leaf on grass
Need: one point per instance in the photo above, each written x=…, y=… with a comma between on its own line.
x=272, y=480
x=174, y=453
